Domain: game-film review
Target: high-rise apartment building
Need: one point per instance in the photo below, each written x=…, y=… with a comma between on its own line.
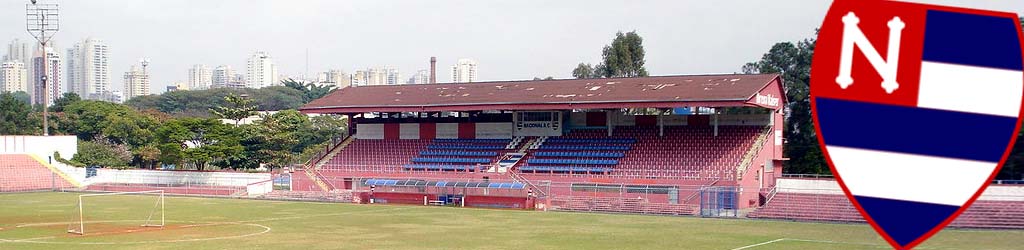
x=88, y=70
x=200, y=77
x=136, y=81
x=222, y=76
x=336, y=78
x=17, y=50
x=464, y=71
x=13, y=76
x=260, y=71
x=54, y=79
x=421, y=77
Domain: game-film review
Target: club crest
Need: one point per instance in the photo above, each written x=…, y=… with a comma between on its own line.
x=916, y=107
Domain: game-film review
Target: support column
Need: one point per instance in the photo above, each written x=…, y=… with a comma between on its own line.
x=608, y=121
x=661, y=125
x=715, y=121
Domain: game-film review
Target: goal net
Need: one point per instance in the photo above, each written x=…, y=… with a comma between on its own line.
x=117, y=212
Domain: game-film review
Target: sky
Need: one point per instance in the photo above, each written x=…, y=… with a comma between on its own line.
x=510, y=40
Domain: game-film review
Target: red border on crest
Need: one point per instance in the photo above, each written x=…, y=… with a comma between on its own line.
x=984, y=186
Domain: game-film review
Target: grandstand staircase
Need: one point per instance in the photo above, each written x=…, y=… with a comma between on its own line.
x=748, y=158
x=312, y=169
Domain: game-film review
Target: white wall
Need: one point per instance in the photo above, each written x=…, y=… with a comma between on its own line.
x=407, y=131
x=370, y=131
x=494, y=130
x=41, y=146
x=830, y=186
x=177, y=177
x=447, y=131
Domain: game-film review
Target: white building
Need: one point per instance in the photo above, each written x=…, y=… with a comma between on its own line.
x=54, y=79
x=336, y=78
x=387, y=75
x=421, y=77
x=200, y=77
x=17, y=51
x=464, y=71
x=88, y=70
x=13, y=76
x=392, y=75
x=222, y=76
x=136, y=81
x=260, y=71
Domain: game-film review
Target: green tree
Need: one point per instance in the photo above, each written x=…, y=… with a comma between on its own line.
x=624, y=57
x=199, y=142
x=102, y=153
x=238, y=108
x=279, y=134
x=309, y=91
x=793, y=63
x=147, y=156
x=543, y=79
x=584, y=71
x=16, y=116
x=23, y=97
x=64, y=101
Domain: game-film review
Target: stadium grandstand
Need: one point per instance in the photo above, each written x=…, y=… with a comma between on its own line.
x=650, y=144
x=703, y=145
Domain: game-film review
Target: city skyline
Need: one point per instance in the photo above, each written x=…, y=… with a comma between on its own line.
x=509, y=38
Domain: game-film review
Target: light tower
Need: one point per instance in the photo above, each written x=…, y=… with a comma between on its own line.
x=42, y=23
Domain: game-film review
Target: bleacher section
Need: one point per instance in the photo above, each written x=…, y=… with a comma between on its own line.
x=641, y=151
x=836, y=208
x=369, y=152
x=19, y=172
x=459, y=155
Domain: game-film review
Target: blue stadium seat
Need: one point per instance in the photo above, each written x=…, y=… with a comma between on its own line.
x=458, y=153
x=582, y=147
x=452, y=160
x=572, y=161
x=580, y=154
x=586, y=141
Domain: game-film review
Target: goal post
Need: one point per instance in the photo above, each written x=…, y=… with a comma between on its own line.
x=86, y=209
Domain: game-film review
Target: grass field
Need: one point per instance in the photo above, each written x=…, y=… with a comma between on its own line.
x=39, y=221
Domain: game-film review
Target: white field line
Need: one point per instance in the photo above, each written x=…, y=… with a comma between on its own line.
x=247, y=223
x=884, y=246
x=759, y=244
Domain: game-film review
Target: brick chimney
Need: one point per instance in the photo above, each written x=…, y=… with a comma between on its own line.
x=433, y=69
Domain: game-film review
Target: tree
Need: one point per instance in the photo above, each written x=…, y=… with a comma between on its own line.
x=280, y=135
x=543, y=79
x=23, y=97
x=239, y=108
x=583, y=71
x=102, y=153
x=793, y=63
x=309, y=91
x=147, y=156
x=624, y=57
x=63, y=101
x=16, y=116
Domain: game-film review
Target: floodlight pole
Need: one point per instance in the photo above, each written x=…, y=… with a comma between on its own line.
x=38, y=22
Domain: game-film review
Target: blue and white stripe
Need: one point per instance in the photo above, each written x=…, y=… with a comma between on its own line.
x=910, y=168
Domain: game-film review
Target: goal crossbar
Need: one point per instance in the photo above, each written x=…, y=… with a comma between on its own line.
x=158, y=206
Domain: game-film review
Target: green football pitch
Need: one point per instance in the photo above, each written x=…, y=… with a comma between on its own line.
x=40, y=221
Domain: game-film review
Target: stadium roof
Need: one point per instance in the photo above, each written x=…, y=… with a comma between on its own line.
x=604, y=93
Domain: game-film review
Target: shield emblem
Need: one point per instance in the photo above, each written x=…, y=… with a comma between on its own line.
x=916, y=107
